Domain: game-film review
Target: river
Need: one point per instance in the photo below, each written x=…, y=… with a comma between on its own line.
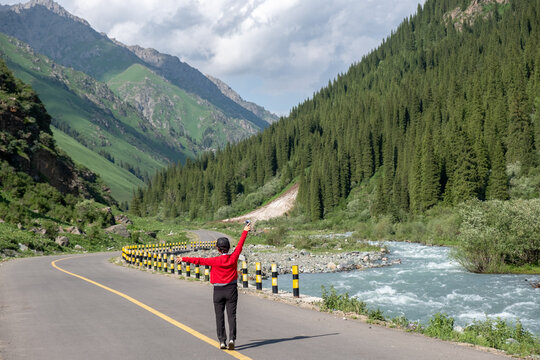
x=428, y=281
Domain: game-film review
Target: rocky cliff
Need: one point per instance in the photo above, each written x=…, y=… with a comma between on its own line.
x=26, y=142
x=476, y=9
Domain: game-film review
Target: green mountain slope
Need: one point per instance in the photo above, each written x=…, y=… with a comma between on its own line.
x=120, y=181
x=174, y=114
x=48, y=204
x=27, y=147
x=80, y=107
x=439, y=112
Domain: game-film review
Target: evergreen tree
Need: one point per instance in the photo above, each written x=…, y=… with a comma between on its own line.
x=497, y=188
x=316, y=204
x=430, y=182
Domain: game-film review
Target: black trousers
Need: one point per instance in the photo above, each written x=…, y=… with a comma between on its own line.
x=225, y=297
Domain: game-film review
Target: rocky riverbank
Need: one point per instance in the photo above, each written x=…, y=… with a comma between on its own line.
x=307, y=261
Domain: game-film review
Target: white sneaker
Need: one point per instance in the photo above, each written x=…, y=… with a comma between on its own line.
x=222, y=346
x=231, y=345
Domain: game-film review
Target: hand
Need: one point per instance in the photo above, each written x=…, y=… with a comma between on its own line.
x=178, y=260
x=247, y=227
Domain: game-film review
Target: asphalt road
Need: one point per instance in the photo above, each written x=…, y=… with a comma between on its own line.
x=125, y=313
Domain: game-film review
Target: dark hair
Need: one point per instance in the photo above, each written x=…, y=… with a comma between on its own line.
x=223, y=244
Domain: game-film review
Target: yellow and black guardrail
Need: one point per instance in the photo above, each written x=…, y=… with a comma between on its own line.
x=161, y=257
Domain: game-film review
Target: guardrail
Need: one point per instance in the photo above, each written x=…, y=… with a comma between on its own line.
x=161, y=257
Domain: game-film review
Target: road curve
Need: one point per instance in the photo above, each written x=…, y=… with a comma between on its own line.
x=46, y=313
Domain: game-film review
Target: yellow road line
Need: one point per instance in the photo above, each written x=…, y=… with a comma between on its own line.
x=159, y=314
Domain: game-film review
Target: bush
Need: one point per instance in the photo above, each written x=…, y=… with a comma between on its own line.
x=376, y=315
x=224, y=212
x=414, y=231
x=87, y=212
x=332, y=301
x=499, y=334
x=276, y=237
x=363, y=230
x=383, y=228
x=495, y=233
x=306, y=242
x=440, y=326
x=52, y=229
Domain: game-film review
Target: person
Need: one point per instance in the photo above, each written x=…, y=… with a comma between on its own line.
x=223, y=275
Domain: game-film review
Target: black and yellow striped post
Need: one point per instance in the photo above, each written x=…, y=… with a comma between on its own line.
x=206, y=273
x=296, y=289
x=159, y=262
x=274, y=279
x=171, y=264
x=155, y=261
x=244, y=274
x=165, y=265
x=258, y=276
x=188, y=270
x=144, y=259
x=197, y=272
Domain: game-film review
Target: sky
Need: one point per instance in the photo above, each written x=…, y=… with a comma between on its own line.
x=276, y=53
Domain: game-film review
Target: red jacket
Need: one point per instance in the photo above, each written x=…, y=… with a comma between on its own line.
x=224, y=267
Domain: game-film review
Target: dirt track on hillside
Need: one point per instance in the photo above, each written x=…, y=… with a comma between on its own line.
x=276, y=208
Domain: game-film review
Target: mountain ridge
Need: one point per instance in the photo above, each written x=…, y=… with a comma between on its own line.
x=63, y=44
x=181, y=123
x=234, y=96
x=49, y=5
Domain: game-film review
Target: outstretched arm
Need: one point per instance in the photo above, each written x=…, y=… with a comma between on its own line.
x=210, y=261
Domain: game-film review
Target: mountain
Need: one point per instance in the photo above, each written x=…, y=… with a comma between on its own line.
x=234, y=96
x=72, y=42
x=124, y=111
x=90, y=122
x=193, y=81
x=443, y=111
x=27, y=144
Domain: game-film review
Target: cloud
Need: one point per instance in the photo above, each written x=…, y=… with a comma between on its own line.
x=289, y=48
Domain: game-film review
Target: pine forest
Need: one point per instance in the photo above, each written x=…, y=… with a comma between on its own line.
x=441, y=112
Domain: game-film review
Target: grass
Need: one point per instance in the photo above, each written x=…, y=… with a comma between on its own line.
x=525, y=269
x=121, y=181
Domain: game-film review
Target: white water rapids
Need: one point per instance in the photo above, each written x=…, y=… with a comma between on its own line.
x=427, y=282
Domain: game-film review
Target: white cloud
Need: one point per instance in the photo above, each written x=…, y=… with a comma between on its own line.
x=289, y=48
